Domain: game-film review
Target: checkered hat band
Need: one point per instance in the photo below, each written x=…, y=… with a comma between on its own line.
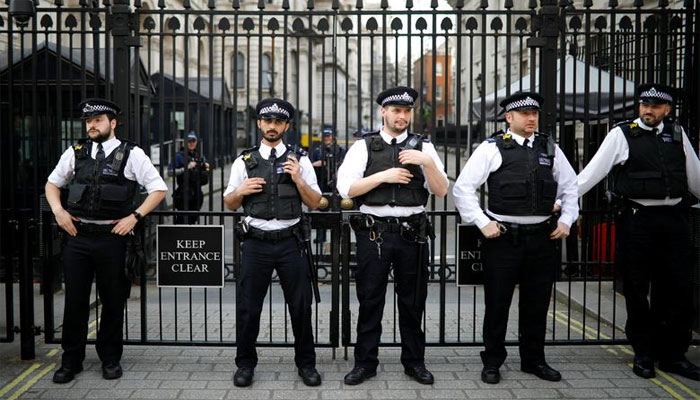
x=89, y=108
x=656, y=94
x=398, y=97
x=526, y=102
x=274, y=109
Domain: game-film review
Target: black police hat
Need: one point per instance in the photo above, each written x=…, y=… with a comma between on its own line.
x=327, y=131
x=274, y=108
x=397, y=96
x=522, y=101
x=94, y=107
x=655, y=93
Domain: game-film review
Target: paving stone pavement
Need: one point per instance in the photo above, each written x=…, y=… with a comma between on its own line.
x=150, y=372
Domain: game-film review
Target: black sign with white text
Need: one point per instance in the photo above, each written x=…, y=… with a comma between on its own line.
x=470, y=268
x=190, y=256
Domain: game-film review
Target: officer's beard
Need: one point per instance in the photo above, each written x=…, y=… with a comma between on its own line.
x=650, y=120
x=273, y=136
x=98, y=136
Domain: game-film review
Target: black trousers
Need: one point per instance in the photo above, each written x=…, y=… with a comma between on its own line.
x=654, y=257
x=88, y=255
x=372, y=279
x=530, y=261
x=260, y=258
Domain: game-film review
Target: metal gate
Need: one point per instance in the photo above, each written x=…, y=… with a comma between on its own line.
x=202, y=66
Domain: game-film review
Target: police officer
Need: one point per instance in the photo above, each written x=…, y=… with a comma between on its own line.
x=525, y=172
x=191, y=166
x=654, y=166
x=391, y=173
x=325, y=158
x=99, y=211
x=271, y=181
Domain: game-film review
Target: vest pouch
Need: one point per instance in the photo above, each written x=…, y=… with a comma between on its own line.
x=548, y=190
x=75, y=194
x=514, y=190
x=647, y=182
x=289, y=201
x=114, y=193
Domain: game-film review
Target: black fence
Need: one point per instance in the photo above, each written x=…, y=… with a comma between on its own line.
x=203, y=66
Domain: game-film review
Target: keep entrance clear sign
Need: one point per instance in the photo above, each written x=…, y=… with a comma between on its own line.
x=470, y=268
x=190, y=256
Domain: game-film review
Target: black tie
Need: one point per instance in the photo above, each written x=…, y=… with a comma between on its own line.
x=100, y=156
x=525, y=142
x=393, y=142
x=273, y=155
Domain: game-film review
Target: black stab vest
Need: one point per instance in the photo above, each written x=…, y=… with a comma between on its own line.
x=655, y=168
x=382, y=156
x=99, y=190
x=280, y=197
x=524, y=183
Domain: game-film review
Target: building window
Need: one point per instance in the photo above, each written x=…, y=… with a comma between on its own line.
x=440, y=121
x=438, y=93
x=239, y=76
x=438, y=69
x=266, y=72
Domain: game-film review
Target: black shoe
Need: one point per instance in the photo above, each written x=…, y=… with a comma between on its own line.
x=65, y=374
x=243, y=377
x=490, y=375
x=111, y=370
x=542, y=371
x=683, y=368
x=419, y=374
x=644, y=367
x=310, y=376
x=359, y=375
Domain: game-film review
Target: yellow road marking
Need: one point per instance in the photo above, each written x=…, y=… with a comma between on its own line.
x=52, y=353
x=19, y=379
x=32, y=382
x=678, y=383
x=656, y=381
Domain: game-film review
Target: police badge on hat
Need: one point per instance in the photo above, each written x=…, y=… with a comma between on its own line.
x=399, y=96
x=655, y=93
x=93, y=107
x=274, y=108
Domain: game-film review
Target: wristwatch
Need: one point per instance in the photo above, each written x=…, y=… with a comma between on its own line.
x=137, y=215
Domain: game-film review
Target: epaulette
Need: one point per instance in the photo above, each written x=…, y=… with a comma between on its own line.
x=426, y=139
x=82, y=148
x=299, y=151
x=620, y=124
x=248, y=159
x=491, y=140
x=248, y=151
x=508, y=141
x=369, y=133
x=551, y=144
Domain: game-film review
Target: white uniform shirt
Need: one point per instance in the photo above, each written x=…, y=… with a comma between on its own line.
x=239, y=174
x=138, y=168
x=355, y=164
x=487, y=159
x=615, y=150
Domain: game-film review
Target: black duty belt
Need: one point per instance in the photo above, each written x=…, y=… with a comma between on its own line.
x=275, y=235
x=384, y=224
x=83, y=227
x=544, y=226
